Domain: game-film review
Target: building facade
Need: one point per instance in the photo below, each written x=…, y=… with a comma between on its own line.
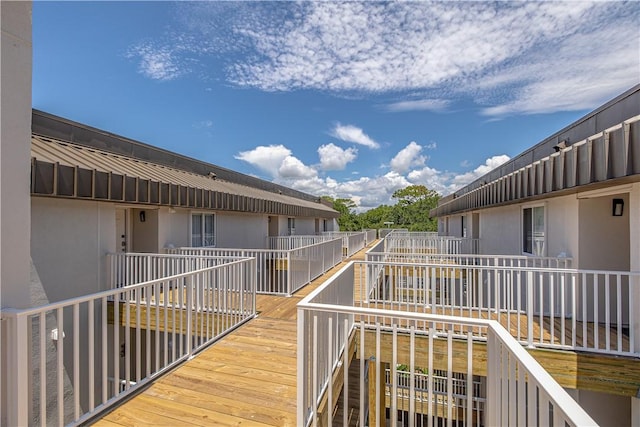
x=576, y=195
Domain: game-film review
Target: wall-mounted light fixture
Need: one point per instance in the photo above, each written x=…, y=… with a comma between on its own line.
x=618, y=207
x=143, y=216
x=560, y=145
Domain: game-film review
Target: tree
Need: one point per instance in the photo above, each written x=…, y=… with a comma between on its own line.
x=376, y=217
x=348, y=219
x=412, y=208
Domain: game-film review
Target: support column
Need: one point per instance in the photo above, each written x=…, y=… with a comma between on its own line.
x=634, y=265
x=15, y=218
x=377, y=403
x=15, y=154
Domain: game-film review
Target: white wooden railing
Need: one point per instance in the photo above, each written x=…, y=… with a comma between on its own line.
x=129, y=268
x=73, y=359
x=467, y=259
x=441, y=381
x=401, y=233
x=281, y=272
x=369, y=236
x=415, y=243
x=563, y=308
x=352, y=241
x=518, y=388
x=286, y=243
x=384, y=232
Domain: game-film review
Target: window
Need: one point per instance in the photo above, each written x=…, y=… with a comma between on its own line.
x=291, y=225
x=533, y=231
x=463, y=226
x=202, y=230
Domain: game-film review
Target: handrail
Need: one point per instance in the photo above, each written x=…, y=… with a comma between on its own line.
x=282, y=272
x=466, y=259
x=566, y=308
x=62, y=355
x=327, y=319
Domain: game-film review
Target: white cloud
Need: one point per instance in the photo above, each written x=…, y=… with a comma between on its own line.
x=490, y=164
x=350, y=133
x=367, y=191
x=292, y=167
x=447, y=182
x=156, y=63
x=435, y=105
x=267, y=158
x=407, y=157
x=431, y=146
x=203, y=124
x=333, y=157
x=510, y=57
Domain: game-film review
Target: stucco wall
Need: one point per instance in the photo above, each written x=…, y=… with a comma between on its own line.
x=305, y=226
x=500, y=231
x=604, y=238
x=69, y=240
x=455, y=225
x=501, y=228
x=173, y=228
x=241, y=231
x=14, y=173
x=145, y=233
x=605, y=409
x=562, y=227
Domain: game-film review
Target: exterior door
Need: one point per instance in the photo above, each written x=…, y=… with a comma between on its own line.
x=121, y=230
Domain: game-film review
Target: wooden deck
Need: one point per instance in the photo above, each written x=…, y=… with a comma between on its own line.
x=248, y=378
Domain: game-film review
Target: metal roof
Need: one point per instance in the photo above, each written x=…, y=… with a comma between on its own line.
x=51, y=151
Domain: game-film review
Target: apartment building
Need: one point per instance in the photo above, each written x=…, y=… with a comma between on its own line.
x=94, y=193
x=574, y=195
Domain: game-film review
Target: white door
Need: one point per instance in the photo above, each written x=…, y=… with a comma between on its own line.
x=121, y=230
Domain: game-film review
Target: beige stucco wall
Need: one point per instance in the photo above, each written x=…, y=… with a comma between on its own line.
x=15, y=135
x=237, y=230
x=604, y=238
x=16, y=151
x=144, y=236
x=173, y=228
x=500, y=231
x=69, y=241
x=501, y=227
x=562, y=227
x=305, y=226
x=605, y=409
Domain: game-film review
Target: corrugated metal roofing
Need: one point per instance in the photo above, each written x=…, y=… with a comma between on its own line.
x=53, y=151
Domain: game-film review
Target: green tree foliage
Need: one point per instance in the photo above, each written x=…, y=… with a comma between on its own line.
x=348, y=219
x=411, y=211
x=412, y=208
x=376, y=217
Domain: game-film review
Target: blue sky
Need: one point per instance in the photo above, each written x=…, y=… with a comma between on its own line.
x=349, y=99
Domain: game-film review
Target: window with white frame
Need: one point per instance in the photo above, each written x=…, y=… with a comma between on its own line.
x=463, y=226
x=203, y=230
x=533, y=238
x=291, y=226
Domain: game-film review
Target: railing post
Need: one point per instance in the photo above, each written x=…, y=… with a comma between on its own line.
x=189, y=285
x=308, y=250
x=18, y=371
x=530, y=308
x=288, y=273
x=493, y=358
